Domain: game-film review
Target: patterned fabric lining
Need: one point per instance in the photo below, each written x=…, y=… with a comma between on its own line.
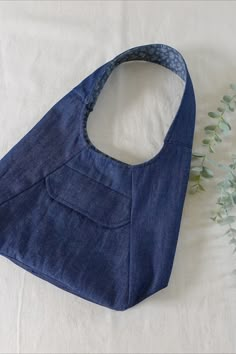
x=155, y=53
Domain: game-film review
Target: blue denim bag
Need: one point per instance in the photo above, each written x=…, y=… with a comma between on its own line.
x=84, y=221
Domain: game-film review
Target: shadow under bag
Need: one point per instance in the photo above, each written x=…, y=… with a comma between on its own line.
x=84, y=221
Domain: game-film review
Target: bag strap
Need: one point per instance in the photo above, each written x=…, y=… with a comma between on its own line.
x=181, y=130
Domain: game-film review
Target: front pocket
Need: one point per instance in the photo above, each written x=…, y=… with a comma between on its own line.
x=84, y=195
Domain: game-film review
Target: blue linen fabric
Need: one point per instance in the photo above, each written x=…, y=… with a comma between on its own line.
x=84, y=221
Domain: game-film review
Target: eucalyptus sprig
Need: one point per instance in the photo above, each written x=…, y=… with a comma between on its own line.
x=214, y=135
x=226, y=203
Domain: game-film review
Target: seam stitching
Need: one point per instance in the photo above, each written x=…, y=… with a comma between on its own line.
x=130, y=236
x=32, y=185
x=98, y=182
x=54, y=281
x=81, y=210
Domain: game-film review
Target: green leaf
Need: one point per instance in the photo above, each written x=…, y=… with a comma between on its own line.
x=206, y=141
x=214, y=115
x=228, y=220
x=210, y=127
x=206, y=172
x=227, y=99
x=232, y=177
x=226, y=105
x=194, y=177
x=217, y=138
x=232, y=166
x=210, y=133
x=193, y=189
x=197, y=169
x=233, y=87
x=231, y=232
x=211, y=149
x=234, y=197
x=201, y=187
x=232, y=241
x=225, y=201
x=232, y=106
x=224, y=184
x=221, y=110
x=196, y=154
x=225, y=122
x=224, y=127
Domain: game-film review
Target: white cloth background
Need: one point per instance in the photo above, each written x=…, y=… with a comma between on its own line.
x=47, y=48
